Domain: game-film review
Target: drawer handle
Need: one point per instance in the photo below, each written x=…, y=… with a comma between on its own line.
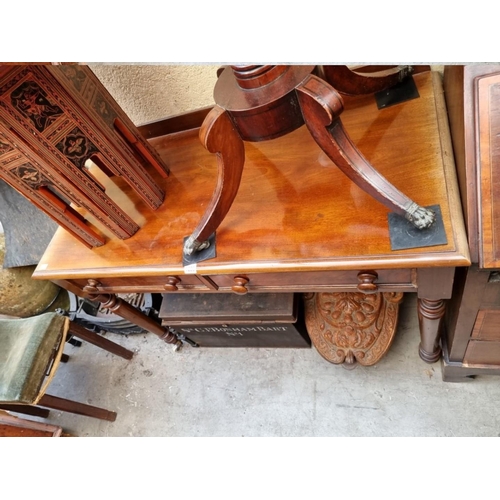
x=92, y=286
x=239, y=286
x=171, y=285
x=367, y=281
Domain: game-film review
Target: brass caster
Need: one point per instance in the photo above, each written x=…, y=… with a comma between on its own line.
x=177, y=346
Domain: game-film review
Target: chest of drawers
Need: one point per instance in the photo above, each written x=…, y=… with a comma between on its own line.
x=473, y=319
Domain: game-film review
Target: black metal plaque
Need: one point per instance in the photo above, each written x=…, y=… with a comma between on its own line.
x=401, y=92
x=404, y=234
x=205, y=254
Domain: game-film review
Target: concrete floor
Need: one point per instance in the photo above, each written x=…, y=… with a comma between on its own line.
x=271, y=392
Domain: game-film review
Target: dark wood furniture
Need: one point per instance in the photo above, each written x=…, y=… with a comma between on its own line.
x=297, y=224
x=473, y=319
x=232, y=320
x=54, y=120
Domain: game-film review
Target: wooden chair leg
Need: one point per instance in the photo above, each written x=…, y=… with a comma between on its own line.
x=93, y=338
x=127, y=311
x=79, y=408
x=34, y=411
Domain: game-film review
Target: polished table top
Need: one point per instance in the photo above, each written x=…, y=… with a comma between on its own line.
x=295, y=210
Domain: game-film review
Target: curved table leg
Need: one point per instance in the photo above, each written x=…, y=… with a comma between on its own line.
x=219, y=136
x=321, y=106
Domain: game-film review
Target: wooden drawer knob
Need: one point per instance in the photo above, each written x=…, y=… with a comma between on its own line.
x=171, y=285
x=366, y=281
x=92, y=286
x=239, y=286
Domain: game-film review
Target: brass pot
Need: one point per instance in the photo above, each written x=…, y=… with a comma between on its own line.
x=20, y=295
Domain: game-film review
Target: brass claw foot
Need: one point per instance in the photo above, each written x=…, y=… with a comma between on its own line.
x=193, y=245
x=420, y=217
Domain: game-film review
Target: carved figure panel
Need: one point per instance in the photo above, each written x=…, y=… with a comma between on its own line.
x=352, y=327
x=4, y=147
x=32, y=101
x=78, y=76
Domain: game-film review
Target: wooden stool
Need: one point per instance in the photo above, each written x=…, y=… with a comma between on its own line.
x=30, y=352
x=53, y=120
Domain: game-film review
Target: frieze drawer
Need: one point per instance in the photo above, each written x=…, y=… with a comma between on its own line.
x=152, y=284
x=369, y=281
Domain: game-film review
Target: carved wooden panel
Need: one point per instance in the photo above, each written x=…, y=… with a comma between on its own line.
x=31, y=177
x=352, y=328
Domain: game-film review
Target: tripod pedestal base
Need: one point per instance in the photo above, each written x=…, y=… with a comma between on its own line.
x=259, y=104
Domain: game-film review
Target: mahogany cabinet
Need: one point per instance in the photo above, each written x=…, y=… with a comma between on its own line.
x=472, y=340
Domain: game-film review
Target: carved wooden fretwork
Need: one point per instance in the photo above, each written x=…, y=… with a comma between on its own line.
x=353, y=327
x=58, y=118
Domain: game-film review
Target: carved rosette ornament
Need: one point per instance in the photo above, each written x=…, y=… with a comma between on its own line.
x=352, y=327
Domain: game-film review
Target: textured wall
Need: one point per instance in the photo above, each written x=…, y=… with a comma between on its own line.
x=151, y=92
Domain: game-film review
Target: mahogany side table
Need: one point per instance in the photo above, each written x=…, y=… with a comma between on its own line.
x=288, y=230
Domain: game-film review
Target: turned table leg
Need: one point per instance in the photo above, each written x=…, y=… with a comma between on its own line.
x=430, y=316
x=125, y=310
x=435, y=285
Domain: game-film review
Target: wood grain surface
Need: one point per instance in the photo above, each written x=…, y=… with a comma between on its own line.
x=295, y=210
